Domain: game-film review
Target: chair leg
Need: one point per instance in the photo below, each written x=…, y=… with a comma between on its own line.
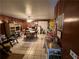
x=11, y=44
x=16, y=40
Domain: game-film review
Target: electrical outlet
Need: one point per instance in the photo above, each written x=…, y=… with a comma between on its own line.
x=73, y=54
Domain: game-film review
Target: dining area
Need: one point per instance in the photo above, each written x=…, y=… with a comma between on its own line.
x=30, y=33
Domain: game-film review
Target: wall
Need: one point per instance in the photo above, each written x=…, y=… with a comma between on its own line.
x=44, y=25
x=70, y=35
x=5, y=25
x=59, y=8
x=70, y=38
x=11, y=19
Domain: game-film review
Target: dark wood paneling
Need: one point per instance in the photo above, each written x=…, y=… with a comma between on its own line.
x=70, y=35
x=59, y=8
x=70, y=38
x=10, y=19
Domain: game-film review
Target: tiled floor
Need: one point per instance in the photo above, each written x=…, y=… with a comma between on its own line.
x=31, y=50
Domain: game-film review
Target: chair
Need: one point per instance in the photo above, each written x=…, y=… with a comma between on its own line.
x=5, y=44
x=13, y=39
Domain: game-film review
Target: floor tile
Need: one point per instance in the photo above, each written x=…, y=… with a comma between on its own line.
x=31, y=50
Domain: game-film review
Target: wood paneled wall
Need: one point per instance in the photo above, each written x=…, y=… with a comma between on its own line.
x=4, y=27
x=11, y=19
x=70, y=35
x=70, y=38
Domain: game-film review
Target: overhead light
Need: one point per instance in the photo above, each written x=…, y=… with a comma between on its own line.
x=29, y=20
x=1, y=22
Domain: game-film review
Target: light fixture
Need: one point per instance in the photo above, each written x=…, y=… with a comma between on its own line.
x=1, y=22
x=29, y=19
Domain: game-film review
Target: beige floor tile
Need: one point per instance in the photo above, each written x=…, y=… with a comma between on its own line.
x=25, y=57
x=43, y=57
x=30, y=56
x=32, y=50
x=37, y=57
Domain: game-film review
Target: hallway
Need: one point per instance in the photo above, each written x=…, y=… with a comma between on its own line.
x=30, y=50
x=56, y=20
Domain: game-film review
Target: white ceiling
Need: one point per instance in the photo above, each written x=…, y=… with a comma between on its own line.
x=37, y=9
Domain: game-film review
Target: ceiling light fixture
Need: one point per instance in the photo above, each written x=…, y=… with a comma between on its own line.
x=29, y=19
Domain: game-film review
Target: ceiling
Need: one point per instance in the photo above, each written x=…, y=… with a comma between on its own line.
x=37, y=9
